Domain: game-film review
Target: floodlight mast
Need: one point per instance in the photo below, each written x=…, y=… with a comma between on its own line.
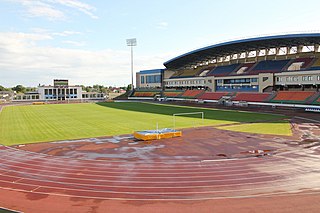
x=131, y=43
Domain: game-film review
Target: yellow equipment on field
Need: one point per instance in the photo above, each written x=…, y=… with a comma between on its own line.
x=157, y=134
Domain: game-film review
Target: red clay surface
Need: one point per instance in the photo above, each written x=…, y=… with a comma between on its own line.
x=206, y=170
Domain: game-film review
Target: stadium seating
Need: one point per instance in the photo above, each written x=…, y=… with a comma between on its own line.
x=269, y=66
x=243, y=69
x=191, y=93
x=189, y=72
x=223, y=70
x=144, y=94
x=292, y=96
x=316, y=65
x=212, y=95
x=253, y=97
x=305, y=62
x=172, y=94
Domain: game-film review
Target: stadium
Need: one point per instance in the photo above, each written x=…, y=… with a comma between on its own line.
x=248, y=111
x=277, y=70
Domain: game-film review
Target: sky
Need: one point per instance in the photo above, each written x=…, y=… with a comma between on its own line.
x=85, y=40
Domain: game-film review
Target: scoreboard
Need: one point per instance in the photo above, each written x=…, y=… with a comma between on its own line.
x=60, y=83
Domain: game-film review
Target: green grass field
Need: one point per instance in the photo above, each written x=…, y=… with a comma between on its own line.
x=41, y=123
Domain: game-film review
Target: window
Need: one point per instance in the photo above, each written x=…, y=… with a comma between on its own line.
x=265, y=79
x=318, y=77
x=153, y=79
x=254, y=79
x=142, y=79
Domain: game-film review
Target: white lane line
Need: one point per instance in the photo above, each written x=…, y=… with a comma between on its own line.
x=23, y=160
x=309, y=185
x=274, y=194
x=94, y=162
x=37, y=177
x=25, y=170
x=307, y=119
x=35, y=189
x=157, y=187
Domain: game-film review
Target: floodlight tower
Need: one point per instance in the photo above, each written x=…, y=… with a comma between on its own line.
x=131, y=43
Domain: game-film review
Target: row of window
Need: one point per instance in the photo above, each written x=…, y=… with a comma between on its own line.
x=54, y=98
x=149, y=79
x=26, y=97
x=237, y=81
x=297, y=78
x=99, y=95
x=60, y=91
x=237, y=88
x=189, y=82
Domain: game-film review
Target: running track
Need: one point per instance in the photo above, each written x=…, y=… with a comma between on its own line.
x=287, y=173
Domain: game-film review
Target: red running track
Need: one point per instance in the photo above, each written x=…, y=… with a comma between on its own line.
x=40, y=174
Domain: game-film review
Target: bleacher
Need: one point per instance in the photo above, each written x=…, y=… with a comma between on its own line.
x=188, y=73
x=212, y=95
x=243, y=69
x=269, y=66
x=300, y=64
x=144, y=94
x=223, y=70
x=191, y=93
x=251, y=97
x=316, y=65
x=292, y=96
x=172, y=94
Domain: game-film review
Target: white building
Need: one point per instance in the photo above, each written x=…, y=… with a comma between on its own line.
x=60, y=91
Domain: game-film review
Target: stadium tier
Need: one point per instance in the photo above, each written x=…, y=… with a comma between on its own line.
x=269, y=66
x=252, y=97
x=243, y=69
x=191, y=93
x=316, y=65
x=172, y=94
x=293, y=96
x=300, y=63
x=212, y=95
x=144, y=94
x=223, y=70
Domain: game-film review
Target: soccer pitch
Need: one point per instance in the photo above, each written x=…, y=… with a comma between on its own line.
x=42, y=123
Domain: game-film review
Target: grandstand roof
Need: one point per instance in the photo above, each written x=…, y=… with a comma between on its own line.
x=237, y=46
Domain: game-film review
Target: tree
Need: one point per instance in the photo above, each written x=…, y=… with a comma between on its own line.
x=2, y=88
x=19, y=89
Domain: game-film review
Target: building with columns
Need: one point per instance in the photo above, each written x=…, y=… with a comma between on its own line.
x=60, y=91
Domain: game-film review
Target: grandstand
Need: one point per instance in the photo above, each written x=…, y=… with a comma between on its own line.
x=272, y=69
x=192, y=93
x=213, y=95
x=252, y=97
x=295, y=97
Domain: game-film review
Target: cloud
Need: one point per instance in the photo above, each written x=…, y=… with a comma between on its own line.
x=162, y=25
x=75, y=43
x=24, y=61
x=78, y=5
x=54, y=9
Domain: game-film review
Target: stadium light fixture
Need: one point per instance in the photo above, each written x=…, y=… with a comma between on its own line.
x=131, y=43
